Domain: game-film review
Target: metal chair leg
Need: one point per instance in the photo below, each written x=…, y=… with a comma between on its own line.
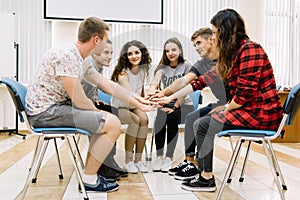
x=40, y=159
x=235, y=161
x=60, y=175
x=77, y=150
x=229, y=168
x=276, y=165
x=37, y=155
x=85, y=196
x=152, y=138
x=245, y=162
x=272, y=167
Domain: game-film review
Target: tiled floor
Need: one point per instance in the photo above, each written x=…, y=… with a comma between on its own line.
x=16, y=155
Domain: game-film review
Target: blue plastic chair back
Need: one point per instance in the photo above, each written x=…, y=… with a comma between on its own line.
x=292, y=104
x=102, y=96
x=195, y=96
x=18, y=92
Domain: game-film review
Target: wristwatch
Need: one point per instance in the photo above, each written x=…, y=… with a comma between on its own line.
x=174, y=107
x=226, y=106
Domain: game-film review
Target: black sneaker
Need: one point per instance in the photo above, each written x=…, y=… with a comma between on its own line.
x=108, y=173
x=178, y=168
x=189, y=172
x=100, y=186
x=200, y=184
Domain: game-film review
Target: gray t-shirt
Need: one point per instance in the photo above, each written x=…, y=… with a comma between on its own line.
x=202, y=66
x=91, y=91
x=169, y=75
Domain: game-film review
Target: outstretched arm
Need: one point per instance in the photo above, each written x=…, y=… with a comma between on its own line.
x=177, y=85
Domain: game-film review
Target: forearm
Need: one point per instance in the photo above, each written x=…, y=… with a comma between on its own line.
x=120, y=92
x=182, y=93
x=175, y=86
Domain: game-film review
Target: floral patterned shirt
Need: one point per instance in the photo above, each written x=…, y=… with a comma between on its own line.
x=46, y=89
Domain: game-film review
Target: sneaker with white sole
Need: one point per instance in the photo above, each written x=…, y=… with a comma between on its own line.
x=200, y=184
x=189, y=172
x=131, y=168
x=167, y=164
x=141, y=167
x=101, y=186
x=178, y=168
x=158, y=164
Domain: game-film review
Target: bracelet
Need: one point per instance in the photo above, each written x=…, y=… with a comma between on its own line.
x=226, y=106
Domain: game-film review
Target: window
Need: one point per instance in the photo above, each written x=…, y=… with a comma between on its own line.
x=282, y=39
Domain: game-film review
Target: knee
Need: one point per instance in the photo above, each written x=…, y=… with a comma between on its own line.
x=112, y=125
x=144, y=121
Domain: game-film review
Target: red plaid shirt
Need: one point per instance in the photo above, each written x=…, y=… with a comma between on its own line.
x=252, y=84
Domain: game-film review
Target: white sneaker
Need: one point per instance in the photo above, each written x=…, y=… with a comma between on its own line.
x=167, y=164
x=158, y=164
x=131, y=168
x=141, y=167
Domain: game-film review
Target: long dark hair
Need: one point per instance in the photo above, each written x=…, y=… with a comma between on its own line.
x=123, y=62
x=230, y=31
x=164, y=61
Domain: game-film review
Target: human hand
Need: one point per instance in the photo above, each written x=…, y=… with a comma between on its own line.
x=150, y=94
x=158, y=94
x=97, y=102
x=162, y=101
x=217, y=109
x=167, y=110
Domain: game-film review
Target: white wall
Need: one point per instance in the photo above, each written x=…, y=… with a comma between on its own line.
x=253, y=13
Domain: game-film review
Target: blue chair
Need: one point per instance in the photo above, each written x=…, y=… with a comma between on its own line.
x=102, y=96
x=264, y=137
x=196, y=98
x=18, y=93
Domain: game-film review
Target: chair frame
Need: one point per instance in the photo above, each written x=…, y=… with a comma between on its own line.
x=18, y=93
x=263, y=137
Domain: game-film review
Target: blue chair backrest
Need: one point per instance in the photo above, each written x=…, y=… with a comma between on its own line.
x=292, y=104
x=18, y=93
x=102, y=96
x=195, y=96
x=278, y=87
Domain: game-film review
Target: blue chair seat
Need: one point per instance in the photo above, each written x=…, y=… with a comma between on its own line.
x=61, y=130
x=246, y=133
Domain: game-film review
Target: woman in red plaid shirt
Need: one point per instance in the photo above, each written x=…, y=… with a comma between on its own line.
x=245, y=68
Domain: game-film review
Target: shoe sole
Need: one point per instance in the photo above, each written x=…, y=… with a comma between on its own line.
x=193, y=189
x=157, y=170
x=171, y=173
x=184, y=178
x=92, y=191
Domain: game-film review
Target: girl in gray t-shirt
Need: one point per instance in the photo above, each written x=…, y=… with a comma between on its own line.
x=171, y=67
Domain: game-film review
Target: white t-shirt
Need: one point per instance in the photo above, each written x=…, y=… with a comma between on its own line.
x=136, y=82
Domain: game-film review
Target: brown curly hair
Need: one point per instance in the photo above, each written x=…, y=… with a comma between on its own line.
x=123, y=62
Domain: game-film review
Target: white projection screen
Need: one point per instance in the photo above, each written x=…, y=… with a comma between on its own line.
x=127, y=11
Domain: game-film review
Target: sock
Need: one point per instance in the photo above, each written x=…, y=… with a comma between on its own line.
x=90, y=179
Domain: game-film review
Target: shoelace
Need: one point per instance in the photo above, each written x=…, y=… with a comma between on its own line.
x=194, y=180
x=181, y=164
x=187, y=168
